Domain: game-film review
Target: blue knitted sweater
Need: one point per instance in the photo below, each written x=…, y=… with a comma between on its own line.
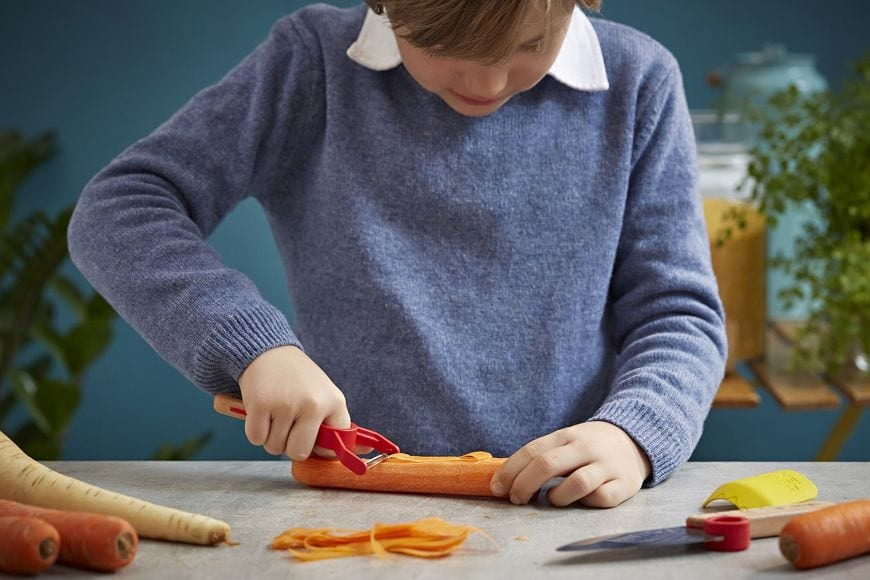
x=468, y=283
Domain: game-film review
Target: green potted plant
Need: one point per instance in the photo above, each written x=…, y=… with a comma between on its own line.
x=813, y=151
x=51, y=329
x=43, y=354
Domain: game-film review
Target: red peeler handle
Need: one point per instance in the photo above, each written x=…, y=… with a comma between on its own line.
x=341, y=441
x=344, y=441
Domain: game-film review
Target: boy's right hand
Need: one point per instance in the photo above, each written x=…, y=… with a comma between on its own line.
x=287, y=397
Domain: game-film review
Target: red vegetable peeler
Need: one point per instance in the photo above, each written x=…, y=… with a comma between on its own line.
x=340, y=441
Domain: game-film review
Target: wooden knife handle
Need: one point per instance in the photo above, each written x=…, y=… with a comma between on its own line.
x=229, y=406
x=764, y=522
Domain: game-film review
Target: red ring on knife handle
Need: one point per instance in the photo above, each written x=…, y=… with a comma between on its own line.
x=344, y=441
x=733, y=529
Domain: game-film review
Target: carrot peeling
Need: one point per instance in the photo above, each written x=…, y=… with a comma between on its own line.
x=827, y=535
x=424, y=538
x=27, y=545
x=468, y=474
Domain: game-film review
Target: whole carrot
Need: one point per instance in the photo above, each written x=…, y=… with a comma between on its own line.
x=27, y=545
x=93, y=541
x=827, y=535
x=462, y=475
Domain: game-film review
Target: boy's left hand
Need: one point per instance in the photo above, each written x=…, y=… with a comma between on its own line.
x=601, y=464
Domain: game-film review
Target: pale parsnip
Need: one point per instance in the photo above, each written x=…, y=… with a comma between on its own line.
x=25, y=480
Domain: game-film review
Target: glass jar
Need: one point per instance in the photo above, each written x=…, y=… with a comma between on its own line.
x=754, y=77
x=739, y=259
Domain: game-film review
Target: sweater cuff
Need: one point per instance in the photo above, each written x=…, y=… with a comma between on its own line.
x=649, y=428
x=235, y=342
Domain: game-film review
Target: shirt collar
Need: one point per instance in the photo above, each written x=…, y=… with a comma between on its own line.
x=579, y=64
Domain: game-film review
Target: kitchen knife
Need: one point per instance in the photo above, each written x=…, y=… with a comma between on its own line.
x=720, y=533
x=759, y=523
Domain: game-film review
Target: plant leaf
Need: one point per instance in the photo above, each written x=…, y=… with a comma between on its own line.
x=36, y=444
x=187, y=449
x=17, y=159
x=24, y=386
x=84, y=343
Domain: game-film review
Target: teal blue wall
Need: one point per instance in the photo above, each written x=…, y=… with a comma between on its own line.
x=103, y=73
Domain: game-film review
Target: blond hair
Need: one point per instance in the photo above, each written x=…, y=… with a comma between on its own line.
x=484, y=30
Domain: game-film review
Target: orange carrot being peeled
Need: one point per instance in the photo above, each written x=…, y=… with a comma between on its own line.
x=827, y=535
x=468, y=474
x=27, y=545
x=92, y=541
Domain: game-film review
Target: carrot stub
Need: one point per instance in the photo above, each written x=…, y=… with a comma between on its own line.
x=827, y=535
x=425, y=538
x=27, y=545
x=469, y=474
x=92, y=541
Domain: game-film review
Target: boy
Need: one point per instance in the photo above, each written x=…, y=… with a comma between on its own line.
x=488, y=217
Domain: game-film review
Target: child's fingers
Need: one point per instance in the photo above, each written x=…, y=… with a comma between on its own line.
x=610, y=494
x=257, y=424
x=279, y=430
x=503, y=479
x=581, y=483
x=579, y=480
x=549, y=464
x=302, y=437
x=539, y=471
x=504, y=476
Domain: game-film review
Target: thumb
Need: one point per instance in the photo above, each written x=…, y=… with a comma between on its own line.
x=340, y=418
x=344, y=419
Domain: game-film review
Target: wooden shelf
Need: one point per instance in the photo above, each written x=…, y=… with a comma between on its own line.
x=855, y=387
x=793, y=390
x=798, y=390
x=735, y=392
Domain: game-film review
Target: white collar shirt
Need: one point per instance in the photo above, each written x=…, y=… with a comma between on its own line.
x=579, y=64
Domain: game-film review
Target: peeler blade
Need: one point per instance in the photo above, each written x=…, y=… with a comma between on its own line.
x=371, y=462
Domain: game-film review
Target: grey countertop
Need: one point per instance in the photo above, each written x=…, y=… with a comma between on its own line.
x=260, y=499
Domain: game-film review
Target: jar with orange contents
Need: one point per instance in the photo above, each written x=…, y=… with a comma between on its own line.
x=738, y=251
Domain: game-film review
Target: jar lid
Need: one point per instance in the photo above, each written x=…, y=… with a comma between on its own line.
x=772, y=54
